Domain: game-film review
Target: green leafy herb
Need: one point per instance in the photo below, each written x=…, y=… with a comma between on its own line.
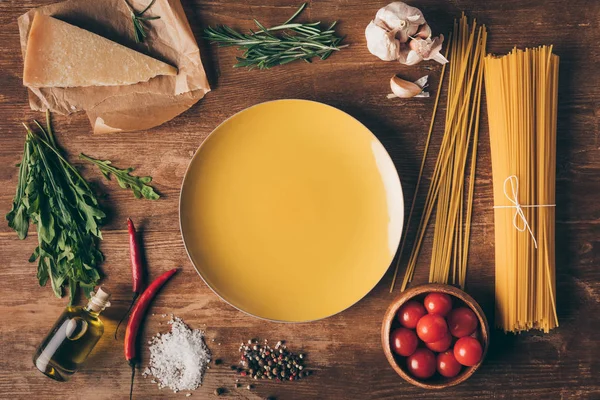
x=264, y=49
x=59, y=202
x=136, y=183
x=139, y=21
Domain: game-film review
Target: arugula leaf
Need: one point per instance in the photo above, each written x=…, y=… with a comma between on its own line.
x=59, y=202
x=17, y=216
x=138, y=184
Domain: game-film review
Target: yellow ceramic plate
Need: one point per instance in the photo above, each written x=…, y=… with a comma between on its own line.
x=291, y=210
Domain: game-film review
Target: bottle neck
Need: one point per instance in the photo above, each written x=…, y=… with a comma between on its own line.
x=90, y=309
x=98, y=302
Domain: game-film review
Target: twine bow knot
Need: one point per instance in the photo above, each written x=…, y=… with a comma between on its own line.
x=519, y=214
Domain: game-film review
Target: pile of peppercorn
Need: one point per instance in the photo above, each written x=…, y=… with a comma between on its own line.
x=263, y=362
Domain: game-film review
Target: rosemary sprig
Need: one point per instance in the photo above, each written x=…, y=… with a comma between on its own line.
x=138, y=19
x=280, y=44
x=138, y=184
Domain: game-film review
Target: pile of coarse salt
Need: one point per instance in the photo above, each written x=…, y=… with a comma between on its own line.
x=178, y=359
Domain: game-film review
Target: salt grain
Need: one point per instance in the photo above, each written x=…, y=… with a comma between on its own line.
x=178, y=359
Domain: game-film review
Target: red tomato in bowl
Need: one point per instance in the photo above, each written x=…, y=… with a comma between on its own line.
x=441, y=345
x=462, y=321
x=447, y=365
x=421, y=363
x=404, y=341
x=438, y=303
x=431, y=328
x=468, y=351
x=410, y=313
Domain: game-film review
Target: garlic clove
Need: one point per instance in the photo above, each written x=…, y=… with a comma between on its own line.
x=412, y=58
x=424, y=32
x=401, y=18
x=404, y=89
x=428, y=49
x=381, y=43
x=400, y=32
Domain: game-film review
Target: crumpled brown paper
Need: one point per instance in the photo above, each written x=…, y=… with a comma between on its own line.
x=128, y=107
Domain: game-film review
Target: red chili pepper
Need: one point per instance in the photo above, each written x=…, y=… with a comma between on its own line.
x=135, y=256
x=136, y=317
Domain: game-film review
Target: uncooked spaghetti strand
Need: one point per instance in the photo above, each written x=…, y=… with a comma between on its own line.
x=449, y=207
x=414, y=199
x=469, y=211
x=522, y=97
x=448, y=142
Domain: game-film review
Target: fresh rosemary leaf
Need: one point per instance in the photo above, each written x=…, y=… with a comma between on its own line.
x=138, y=184
x=278, y=45
x=138, y=19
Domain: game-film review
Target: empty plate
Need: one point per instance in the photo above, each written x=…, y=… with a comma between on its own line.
x=291, y=210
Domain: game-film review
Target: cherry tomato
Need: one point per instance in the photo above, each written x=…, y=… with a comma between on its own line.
x=462, y=322
x=410, y=313
x=404, y=341
x=447, y=365
x=468, y=351
x=441, y=345
x=421, y=363
x=431, y=328
x=438, y=303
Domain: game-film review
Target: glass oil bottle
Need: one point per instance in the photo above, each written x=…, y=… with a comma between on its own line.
x=72, y=338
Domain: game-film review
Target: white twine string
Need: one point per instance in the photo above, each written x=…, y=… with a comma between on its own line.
x=514, y=185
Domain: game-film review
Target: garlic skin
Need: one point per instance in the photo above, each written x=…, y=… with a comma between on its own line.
x=401, y=19
x=424, y=32
x=400, y=32
x=386, y=48
x=405, y=89
x=419, y=49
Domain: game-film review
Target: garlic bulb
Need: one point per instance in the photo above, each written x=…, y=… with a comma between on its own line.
x=386, y=47
x=400, y=18
x=405, y=89
x=391, y=34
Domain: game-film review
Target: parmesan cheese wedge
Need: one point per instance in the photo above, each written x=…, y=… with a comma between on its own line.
x=62, y=55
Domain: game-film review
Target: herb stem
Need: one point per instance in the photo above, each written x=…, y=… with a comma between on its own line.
x=139, y=185
x=137, y=18
x=64, y=161
x=278, y=45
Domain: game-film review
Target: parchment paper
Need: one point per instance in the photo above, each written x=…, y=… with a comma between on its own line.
x=128, y=107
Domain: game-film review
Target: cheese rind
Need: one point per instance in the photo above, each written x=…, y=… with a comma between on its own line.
x=62, y=55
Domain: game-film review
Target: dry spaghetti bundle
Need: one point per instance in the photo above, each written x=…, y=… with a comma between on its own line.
x=450, y=197
x=521, y=91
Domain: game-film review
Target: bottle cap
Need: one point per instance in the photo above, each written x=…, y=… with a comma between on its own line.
x=99, y=300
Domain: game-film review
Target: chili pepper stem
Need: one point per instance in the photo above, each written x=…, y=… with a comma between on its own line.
x=132, y=364
x=135, y=320
x=135, y=296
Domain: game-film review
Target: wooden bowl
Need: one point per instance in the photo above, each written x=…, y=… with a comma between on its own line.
x=418, y=293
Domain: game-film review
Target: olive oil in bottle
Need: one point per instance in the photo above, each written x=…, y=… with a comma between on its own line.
x=72, y=338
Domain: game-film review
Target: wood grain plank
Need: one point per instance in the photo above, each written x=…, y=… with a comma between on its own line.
x=344, y=350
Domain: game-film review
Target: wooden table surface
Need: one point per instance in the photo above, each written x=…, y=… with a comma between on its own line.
x=344, y=350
